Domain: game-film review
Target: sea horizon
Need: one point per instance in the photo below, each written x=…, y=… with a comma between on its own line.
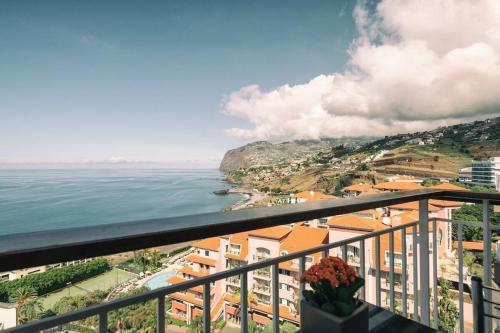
x=46, y=199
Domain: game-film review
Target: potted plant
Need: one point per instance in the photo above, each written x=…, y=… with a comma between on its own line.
x=331, y=305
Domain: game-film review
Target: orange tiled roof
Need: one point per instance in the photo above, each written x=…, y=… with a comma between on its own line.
x=190, y=271
x=413, y=205
x=358, y=188
x=312, y=196
x=445, y=203
x=398, y=186
x=201, y=260
x=448, y=186
x=211, y=243
x=177, y=279
x=352, y=221
x=189, y=298
x=370, y=192
x=277, y=232
x=472, y=246
x=302, y=238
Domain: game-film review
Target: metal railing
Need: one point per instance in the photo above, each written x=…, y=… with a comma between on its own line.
x=25, y=250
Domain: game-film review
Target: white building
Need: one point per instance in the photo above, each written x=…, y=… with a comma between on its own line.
x=8, y=315
x=486, y=173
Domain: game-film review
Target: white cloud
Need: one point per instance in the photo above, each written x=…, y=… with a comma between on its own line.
x=416, y=65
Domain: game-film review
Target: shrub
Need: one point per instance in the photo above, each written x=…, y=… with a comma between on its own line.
x=54, y=279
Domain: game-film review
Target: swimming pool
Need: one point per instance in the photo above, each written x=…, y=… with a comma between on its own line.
x=159, y=280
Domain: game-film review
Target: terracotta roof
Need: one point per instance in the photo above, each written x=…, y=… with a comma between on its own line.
x=302, y=238
x=398, y=186
x=413, y=205
x=211, y=243
x=370, y=192
x=358, y=188
x=312, y=196
x=189, y=298
x=177, y=279
x=277, y=232
x=352, y=221
x=472, y=246
x=201, y=260
x=448, y=186
x=190, y=271
x=445, y=203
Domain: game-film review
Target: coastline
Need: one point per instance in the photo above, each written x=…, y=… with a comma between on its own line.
x=249, y=197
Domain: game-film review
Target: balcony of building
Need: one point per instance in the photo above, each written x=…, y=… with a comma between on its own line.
x=417, y=300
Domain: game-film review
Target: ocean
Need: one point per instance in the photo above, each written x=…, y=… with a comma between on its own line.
x=34, y=200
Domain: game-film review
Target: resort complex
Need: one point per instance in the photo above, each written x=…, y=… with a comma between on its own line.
x=217, y=254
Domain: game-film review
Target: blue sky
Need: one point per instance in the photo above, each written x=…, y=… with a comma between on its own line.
x=92, y=80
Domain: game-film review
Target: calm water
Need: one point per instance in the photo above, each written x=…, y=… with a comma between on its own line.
x=33, y=200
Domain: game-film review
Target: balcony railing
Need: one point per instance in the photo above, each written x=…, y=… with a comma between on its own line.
x=49, y=247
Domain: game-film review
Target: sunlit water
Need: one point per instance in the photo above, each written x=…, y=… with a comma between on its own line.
x=32, y=200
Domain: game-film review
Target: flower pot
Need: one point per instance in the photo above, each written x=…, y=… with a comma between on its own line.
x=315, y=320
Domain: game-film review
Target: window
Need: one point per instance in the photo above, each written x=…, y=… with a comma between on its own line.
x=398, y=259
x=284, y=272
x=284, y=286
x=207, y=253
x=284, y=301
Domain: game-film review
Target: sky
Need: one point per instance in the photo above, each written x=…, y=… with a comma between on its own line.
x=181, y=82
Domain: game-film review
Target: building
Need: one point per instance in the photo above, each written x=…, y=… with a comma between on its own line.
x=486, y=173
x=358, y=189
x=465, y=175
x=8, y=315
x=219, y=253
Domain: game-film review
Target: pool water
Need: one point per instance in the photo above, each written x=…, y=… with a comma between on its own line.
x=159, y=280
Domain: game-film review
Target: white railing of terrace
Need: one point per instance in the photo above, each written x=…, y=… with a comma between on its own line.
x=25, y=250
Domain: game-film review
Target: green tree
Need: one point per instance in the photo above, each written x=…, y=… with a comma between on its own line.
x=253, y=327
x=196, y=325
x=288, y=328
x=363, y=167
x=447, y=310
x=27, y=305
x=473, y=213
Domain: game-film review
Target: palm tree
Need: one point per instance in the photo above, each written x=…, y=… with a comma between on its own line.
x=196, y=325
x=24, y=296
x=33, y=308
x=155, y=257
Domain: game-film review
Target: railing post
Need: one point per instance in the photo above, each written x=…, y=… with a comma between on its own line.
x=103, y=322
x=276, y=299
x=487, y=259
x=460, y=277
x=207, y=320
x=435, y=274
x=244, y=302
x=404, y=301
x=160, y=319
x=424, y=260
x=377, y=271
x=477, y=305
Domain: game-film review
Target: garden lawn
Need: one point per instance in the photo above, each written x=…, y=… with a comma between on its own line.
x=100, y=282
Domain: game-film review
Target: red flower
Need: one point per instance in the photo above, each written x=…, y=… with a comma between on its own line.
x=332, y=269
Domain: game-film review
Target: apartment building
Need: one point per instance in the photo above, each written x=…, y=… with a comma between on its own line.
x=220, y=253
x=486, y=173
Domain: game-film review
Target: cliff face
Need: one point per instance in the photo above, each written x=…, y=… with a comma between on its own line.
x=263, y=153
